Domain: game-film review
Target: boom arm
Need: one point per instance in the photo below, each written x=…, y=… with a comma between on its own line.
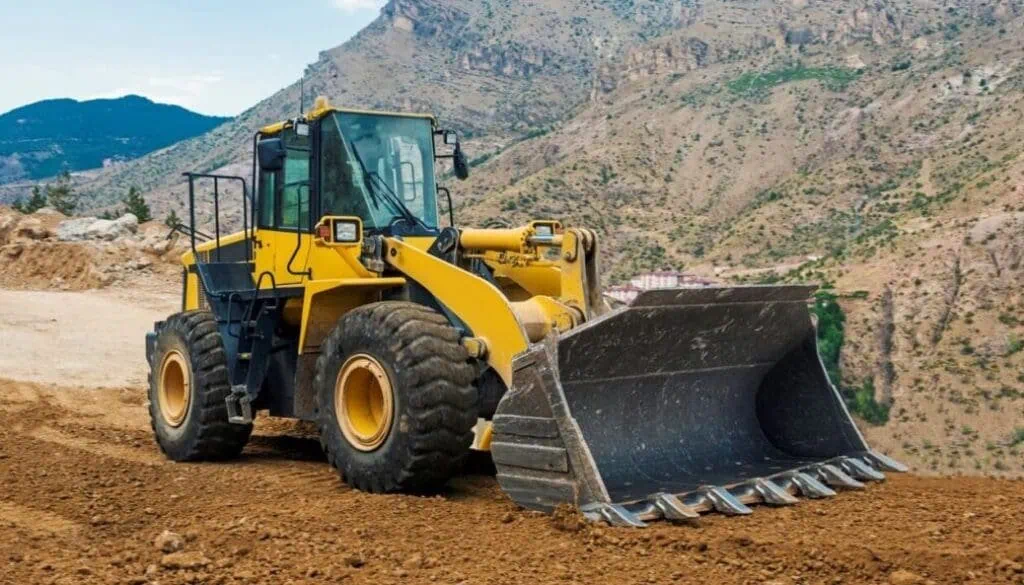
x=478, y=303
x=545, y=283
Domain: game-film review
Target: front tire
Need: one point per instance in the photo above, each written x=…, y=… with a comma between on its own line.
x=188, y=382
x=395, y=398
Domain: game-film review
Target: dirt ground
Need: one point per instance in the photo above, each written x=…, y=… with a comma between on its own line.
x=86, y=497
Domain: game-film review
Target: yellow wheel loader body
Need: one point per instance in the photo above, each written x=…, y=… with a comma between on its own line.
x=682, y=402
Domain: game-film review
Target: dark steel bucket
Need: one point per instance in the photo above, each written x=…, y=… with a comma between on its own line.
x=686, y=400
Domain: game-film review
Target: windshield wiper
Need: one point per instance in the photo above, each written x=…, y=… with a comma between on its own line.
x=374, y=197
x=400, y=205
x=396, y=203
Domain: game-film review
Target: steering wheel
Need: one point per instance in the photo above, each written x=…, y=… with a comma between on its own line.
x=401, y=220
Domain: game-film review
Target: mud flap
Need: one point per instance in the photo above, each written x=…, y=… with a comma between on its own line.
x=685, y=401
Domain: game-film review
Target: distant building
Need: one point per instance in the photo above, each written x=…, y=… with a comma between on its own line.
x=626, y=293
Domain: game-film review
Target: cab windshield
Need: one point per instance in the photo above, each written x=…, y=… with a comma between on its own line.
x=379, y=168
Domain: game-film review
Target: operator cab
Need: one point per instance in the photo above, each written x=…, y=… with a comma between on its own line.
x=376, y=166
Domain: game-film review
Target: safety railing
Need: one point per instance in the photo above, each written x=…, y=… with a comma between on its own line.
x=246, y=199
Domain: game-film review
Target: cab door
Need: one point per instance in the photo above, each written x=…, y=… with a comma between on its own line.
x=284, y=221
x=263, y=243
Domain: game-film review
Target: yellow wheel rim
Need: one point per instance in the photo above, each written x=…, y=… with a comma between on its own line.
x=174, y=392
x=364, y=402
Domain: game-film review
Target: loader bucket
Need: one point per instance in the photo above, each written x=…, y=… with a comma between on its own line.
x=685, y=401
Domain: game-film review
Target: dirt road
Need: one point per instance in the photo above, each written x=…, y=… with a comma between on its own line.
x=85, y=496
x=92, y=339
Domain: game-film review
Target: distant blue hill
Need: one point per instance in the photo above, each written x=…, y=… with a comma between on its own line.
x=38, y=140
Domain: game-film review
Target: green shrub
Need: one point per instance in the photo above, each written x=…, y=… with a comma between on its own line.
x=831, y=334
x=172, y=220
x=135, y=204
x=756, y=84
x=1014, y=345
x=36, y=202
x=1018, y=437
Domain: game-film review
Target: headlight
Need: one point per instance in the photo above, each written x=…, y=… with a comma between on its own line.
x=346, y=232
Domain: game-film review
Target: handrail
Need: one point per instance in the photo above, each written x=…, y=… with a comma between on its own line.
x=184, y=229
x=246, y=197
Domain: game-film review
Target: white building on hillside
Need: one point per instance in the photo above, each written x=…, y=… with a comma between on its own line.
x=626, y=293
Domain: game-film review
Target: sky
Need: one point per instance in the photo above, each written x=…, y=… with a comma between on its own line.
x=216, y=57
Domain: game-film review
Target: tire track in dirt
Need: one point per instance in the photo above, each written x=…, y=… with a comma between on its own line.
x=51, y=435
x=36, y=521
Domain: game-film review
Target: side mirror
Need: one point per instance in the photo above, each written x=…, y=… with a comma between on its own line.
x=461, y=164
x=451, y=138
x=271, y=153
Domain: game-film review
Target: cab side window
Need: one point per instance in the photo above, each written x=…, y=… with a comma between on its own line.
x=268, y=196
x=284, y=195
x=294, y=207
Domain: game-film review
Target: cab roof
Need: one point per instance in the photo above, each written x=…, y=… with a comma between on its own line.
x=321, y=108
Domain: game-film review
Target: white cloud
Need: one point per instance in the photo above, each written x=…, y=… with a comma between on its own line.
x=188, y=90
x=195, y=85
x=354, y=5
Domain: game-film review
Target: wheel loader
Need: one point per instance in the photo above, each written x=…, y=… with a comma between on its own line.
x=343, y=301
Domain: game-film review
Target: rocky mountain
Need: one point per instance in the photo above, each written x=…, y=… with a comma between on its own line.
x=40, y=139
x=496, y=69
x=873, y=146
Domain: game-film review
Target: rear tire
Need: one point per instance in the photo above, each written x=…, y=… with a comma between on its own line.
x=402, y=366
x=188, y=383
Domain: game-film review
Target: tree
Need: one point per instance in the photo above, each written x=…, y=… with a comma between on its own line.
x=61, y=195
x=36, y=202
x=135, y=204
x=172, y=220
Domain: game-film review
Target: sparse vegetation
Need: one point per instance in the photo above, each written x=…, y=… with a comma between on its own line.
x=1018, y=437
x=757, y=84
x=831, y=335
x=135, y=204
x=831, y=324
x=59, y=195
x=172, y=220
x=1014, y=345
x=36, y=202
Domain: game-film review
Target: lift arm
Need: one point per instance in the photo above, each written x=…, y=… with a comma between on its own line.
x=478, y=303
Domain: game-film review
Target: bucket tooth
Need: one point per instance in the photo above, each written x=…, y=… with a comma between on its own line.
x=860, y=470
x=837, y=477
x=811, y=487
x=726, y=503
x=613, y=514
x=672, y=508
x=773, y=494
x=884, y=462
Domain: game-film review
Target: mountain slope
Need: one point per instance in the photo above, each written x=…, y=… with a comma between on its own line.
x=494, y=69
x=876, y=149
x=38, y=140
